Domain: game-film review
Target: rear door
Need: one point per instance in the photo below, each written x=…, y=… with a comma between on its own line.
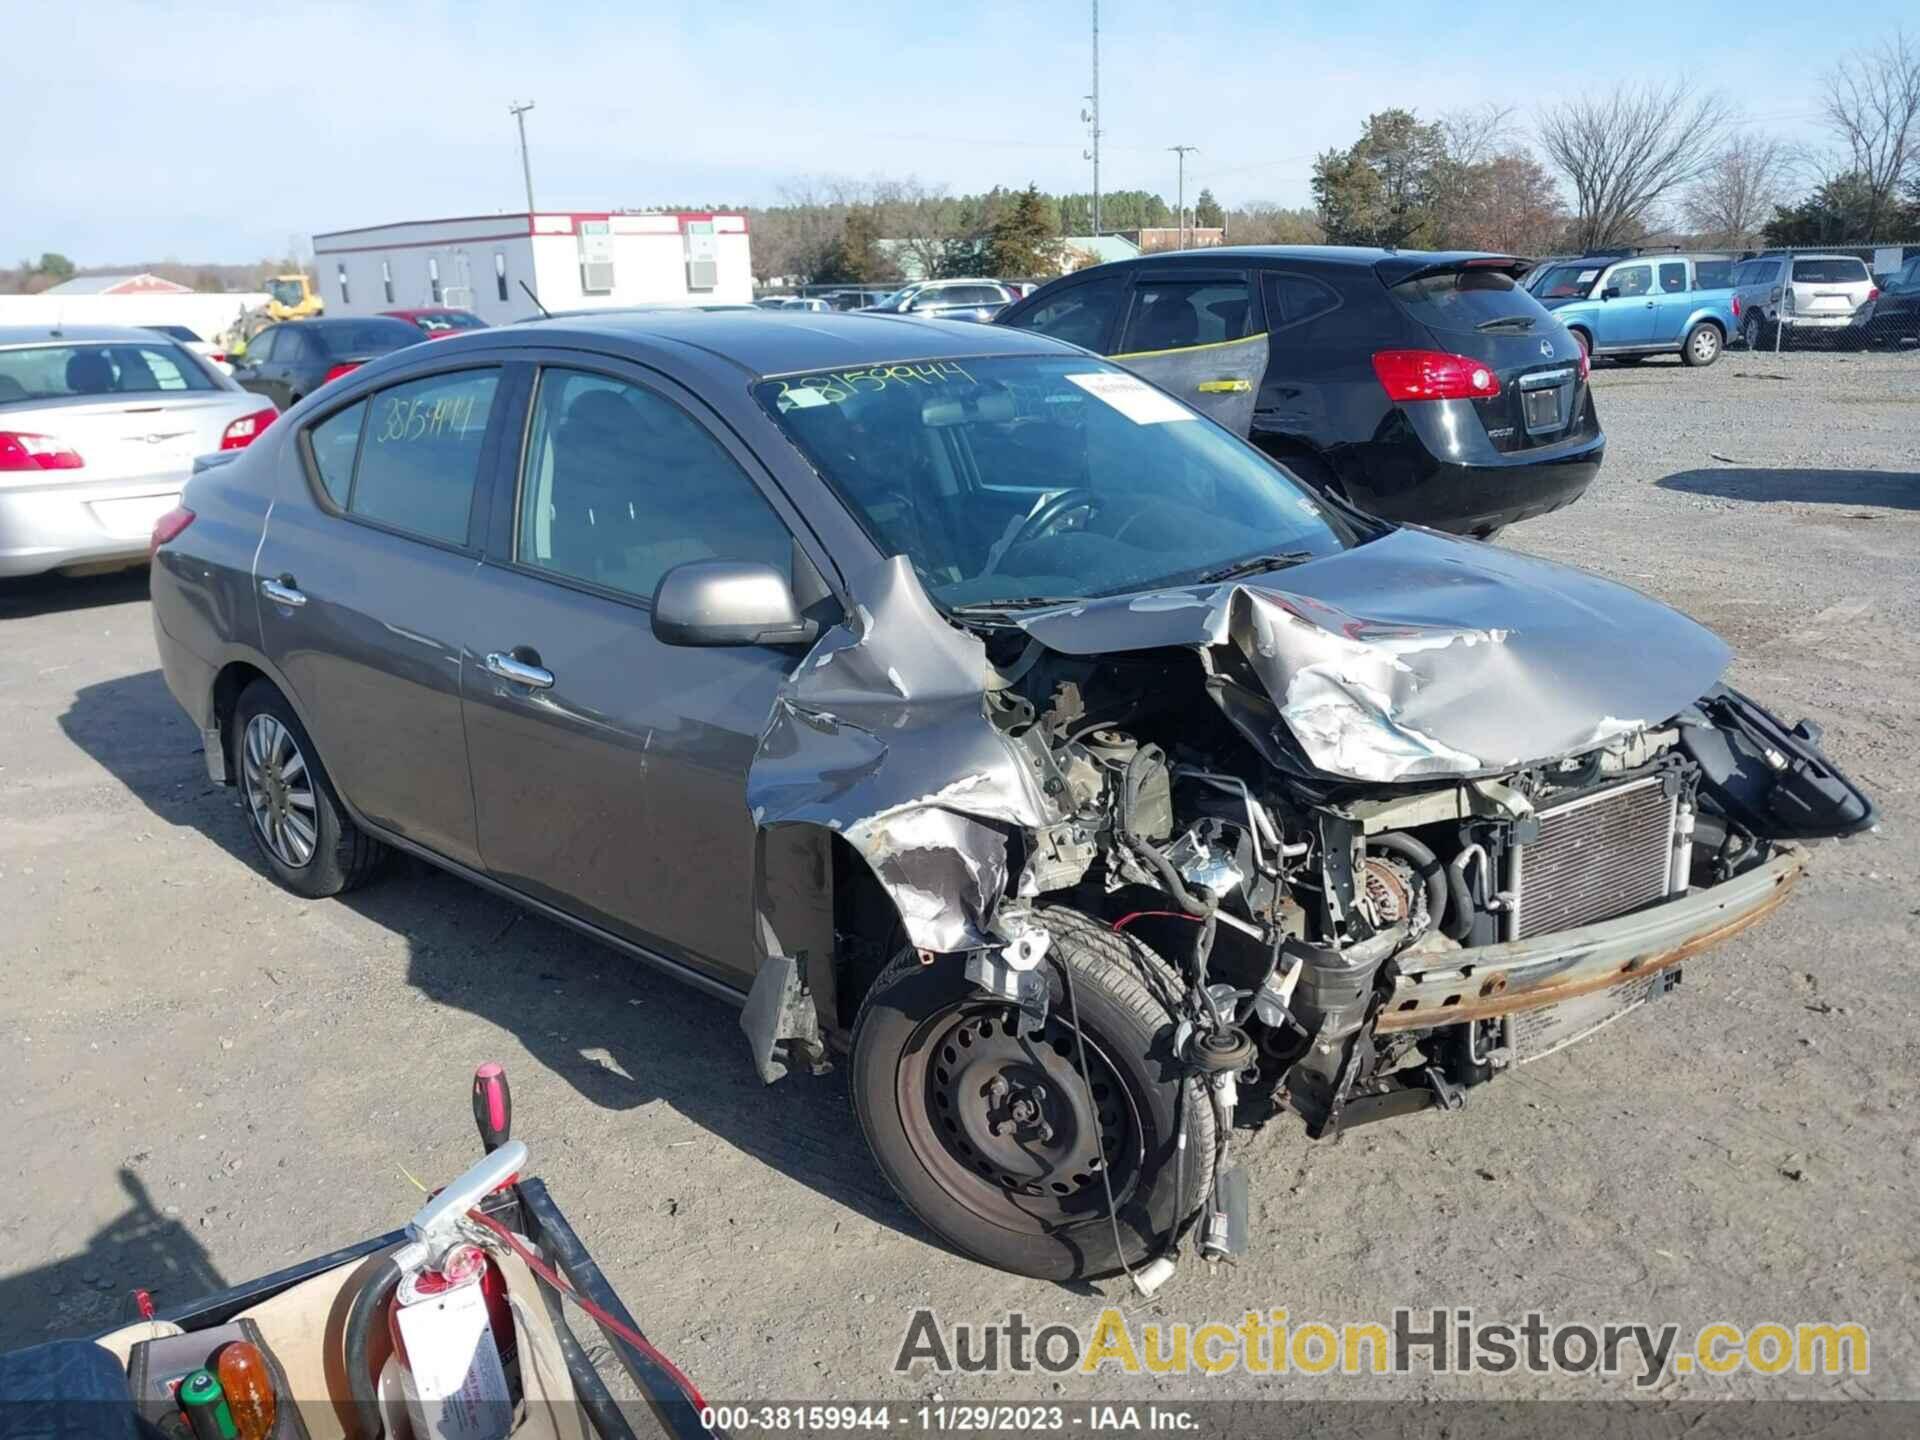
x=253, y=367
x=1673, y=283
x=1199, y=334
x=366, y=581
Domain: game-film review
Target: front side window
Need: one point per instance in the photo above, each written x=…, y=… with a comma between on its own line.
x=53, y=372
x=420, y=457
x=1673, y=276
x=1173, y=314
x=1631, y=280
x=619, y=485
x=1030, y=479
x=1080, y=315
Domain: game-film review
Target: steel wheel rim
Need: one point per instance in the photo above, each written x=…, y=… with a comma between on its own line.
x=1018, y=1178
x=279, y=791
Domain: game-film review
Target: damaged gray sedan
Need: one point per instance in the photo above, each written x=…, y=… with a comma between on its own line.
x=956, y=702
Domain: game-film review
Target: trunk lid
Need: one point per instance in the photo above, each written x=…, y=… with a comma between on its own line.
x=127, y=436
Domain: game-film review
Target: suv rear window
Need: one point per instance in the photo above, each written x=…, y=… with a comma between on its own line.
x=1830, y=272
x=1466, y=299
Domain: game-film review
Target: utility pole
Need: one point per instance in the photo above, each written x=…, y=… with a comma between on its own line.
x=1181, y=212
x=1092, y=119
x=526, y=168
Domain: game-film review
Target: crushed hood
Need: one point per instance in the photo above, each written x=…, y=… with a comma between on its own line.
x=1418, y=655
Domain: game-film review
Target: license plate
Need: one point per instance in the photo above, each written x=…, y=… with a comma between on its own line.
x=1542, y=408
x=133, y=517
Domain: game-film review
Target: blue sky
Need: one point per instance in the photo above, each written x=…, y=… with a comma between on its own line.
x=216, y=131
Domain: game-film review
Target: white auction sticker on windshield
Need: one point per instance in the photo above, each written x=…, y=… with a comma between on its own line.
x=1133, y=398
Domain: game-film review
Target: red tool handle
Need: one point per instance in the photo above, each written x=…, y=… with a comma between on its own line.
x=492, y=1105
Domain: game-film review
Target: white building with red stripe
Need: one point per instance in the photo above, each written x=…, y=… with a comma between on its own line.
x=572, y=260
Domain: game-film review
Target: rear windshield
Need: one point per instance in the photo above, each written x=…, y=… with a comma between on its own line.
x=449, y=320
x=1841, y=271
x=57, y=372
x=1712, y=274
x=360, y=336
x=1467, y=300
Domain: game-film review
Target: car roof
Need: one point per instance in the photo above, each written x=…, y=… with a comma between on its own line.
x=1390, y=265
x=75, y=334
x=763, y=343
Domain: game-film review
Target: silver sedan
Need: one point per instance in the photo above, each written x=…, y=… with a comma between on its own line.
x=99, y=428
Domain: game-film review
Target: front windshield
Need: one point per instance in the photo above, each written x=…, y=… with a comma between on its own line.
x=1032, y=480
x=1567, y=282
x=898, y=299
x=287, y=292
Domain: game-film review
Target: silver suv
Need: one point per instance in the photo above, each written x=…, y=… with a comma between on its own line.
x=1817, y=295
x=949, y=300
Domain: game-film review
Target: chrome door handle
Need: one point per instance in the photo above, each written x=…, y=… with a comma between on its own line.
x=281, y=594
x=507, y=668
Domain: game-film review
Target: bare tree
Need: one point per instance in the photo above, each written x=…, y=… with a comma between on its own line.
x=1475, y=135
x=1736, y=193
x=924, y=218
x=1626, y=151
x=1872, y=102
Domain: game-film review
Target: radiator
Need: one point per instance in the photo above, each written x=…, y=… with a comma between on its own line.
x=1598, y=856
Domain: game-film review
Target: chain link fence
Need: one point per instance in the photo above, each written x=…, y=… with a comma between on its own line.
x=1808, y=297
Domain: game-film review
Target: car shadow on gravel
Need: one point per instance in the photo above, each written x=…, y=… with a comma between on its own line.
x=1888, y=489
x=47, y=594
x=92, y=1290
x=622, y=1035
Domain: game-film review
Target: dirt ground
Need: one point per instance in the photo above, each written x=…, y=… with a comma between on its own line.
x=207, y=1078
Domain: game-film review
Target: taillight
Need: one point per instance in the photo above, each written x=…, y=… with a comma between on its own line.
x=1736, y=307
x=1585, y=361
x=218, y=358
x=21, y=450
x=1433, y=375
x=168, y=527
x=345, y=367
x=244, y=431
x=1873, y=293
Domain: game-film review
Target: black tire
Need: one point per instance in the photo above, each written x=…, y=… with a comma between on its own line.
x=1751, y=331
x=338, y=855
x=996, y=1186
x=1702, y=346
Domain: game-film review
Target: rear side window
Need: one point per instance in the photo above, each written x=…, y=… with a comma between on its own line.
x=1293, y=299
x=1173, y=314
x=1080, y=315
x=335, y=442
x=620, y=485
x=1712, y=274
x=1464, y=300
x=54, y=372
x=420, y=457
x=1673, y=276
x=1838, y=271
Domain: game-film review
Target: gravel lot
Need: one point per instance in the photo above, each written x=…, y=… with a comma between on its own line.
x=209, y=1079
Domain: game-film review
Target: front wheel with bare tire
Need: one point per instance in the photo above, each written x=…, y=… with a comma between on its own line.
x=988, y=1128
x=1702, y=345
x=306, y=837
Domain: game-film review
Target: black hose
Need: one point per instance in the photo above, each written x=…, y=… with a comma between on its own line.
x=1429, y=866
x=1460, y=921
x=368, y=1306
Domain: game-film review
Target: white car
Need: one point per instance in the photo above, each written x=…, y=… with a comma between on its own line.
x=190, y=340
x=99, y=428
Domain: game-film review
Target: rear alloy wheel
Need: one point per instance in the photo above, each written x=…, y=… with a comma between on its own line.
x=304, y=835
x=1703, y=345
x=985, y=1126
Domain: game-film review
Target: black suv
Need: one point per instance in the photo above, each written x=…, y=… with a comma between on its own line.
x=1423, y=387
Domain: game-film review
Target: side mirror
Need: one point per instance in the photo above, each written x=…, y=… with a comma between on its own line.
x=727, y=602
x=1612, y=292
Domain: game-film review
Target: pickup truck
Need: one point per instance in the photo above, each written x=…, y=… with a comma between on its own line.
x=1626, y=309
